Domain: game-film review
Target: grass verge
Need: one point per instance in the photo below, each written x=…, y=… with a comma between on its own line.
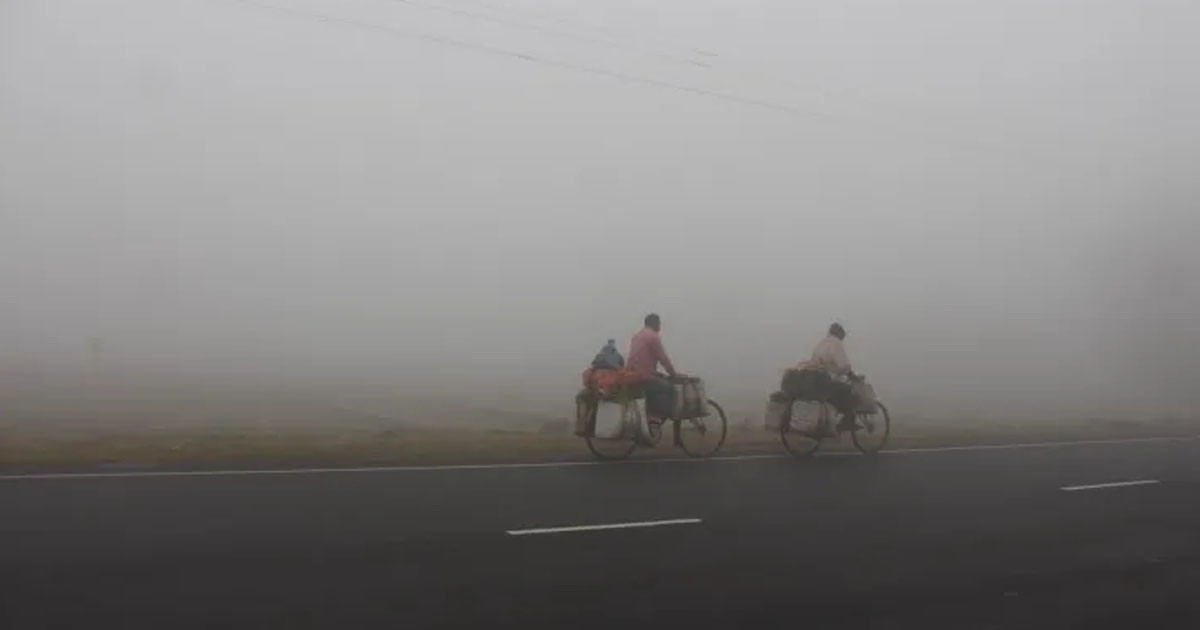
x=251, y=448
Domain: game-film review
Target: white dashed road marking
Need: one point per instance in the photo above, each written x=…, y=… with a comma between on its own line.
x=592, y=528
x=1115, y=484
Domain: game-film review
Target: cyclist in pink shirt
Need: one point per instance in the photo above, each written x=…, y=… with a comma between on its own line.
x=646, y=354
x=646, y=351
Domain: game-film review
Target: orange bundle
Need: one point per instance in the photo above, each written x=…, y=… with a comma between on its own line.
x=607, y=382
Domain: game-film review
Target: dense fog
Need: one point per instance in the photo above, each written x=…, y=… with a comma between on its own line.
x=998, y=200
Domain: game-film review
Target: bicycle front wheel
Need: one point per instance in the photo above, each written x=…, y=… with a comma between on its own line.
x=701, y=437
x=803, y=427
x=871, y=431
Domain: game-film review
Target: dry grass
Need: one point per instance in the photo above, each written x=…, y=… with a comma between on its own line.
x=230, y=447
x=240, y=448
x=55, y=424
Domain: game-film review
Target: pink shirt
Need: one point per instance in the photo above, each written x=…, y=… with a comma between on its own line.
x=646, y=352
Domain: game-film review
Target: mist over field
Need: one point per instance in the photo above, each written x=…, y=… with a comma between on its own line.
x=366, y=201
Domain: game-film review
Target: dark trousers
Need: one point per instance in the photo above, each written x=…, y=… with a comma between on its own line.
x=660, y=398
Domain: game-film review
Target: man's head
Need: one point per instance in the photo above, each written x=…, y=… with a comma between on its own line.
x=653, y=322
x=837, y=331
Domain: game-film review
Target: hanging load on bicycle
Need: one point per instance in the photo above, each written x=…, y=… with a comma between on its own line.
x=624, y=405
x=802, y=411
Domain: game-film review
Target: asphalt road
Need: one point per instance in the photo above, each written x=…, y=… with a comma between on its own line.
x=956, y=539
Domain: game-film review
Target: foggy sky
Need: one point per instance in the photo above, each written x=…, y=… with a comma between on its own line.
x=999, y=200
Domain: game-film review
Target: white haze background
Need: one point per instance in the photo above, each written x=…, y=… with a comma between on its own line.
x=999, y=200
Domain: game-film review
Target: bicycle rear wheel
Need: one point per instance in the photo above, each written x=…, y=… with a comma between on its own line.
x=610, y=449
x=701, y=437
x=804, y=422
x=607, y=449
x=871, y=431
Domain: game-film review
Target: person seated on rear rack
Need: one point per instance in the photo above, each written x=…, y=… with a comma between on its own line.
x=646, y=353
x=608, y=358
x=823, y=377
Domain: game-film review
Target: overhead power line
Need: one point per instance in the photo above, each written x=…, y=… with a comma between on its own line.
x=553, y=32
x=611, y=74
x=530, y=57
x=710, y=58
x=720, y=61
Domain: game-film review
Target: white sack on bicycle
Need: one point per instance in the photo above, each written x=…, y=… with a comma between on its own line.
x=610, y=420
x=777, y=408
x=633, y=418
x=690, y=399
x=865, y=400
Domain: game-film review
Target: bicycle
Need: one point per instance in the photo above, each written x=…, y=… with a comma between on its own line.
x=698, y=432
x=807, y=423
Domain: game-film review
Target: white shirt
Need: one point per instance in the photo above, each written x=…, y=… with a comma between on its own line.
x=829, y=356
